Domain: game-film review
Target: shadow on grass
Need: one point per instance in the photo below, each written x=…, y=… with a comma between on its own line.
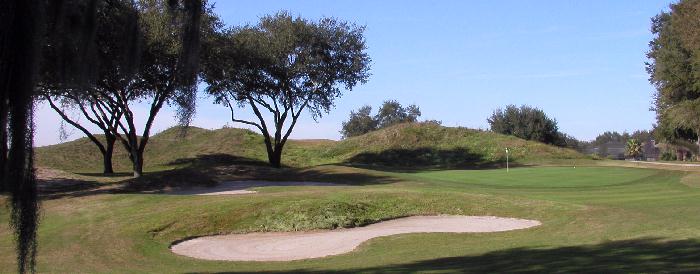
x=225, y=167
x=207, y=171
x=102, y=175
x=56, y=188
x=217, y=159
x=347, y=175
x=422, y=159
x=645, y=255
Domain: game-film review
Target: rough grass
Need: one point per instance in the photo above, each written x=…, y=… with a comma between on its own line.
x=595, y=219
x=407, y=145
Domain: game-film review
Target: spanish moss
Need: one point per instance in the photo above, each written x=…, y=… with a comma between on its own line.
x=188, y=66
x=66, y=33
x=21, y=39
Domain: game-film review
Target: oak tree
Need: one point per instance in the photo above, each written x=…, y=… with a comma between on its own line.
x=169, y=36
x=111, y=55
x=283, y=66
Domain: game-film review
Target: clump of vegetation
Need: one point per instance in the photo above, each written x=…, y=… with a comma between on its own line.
x=528, y=123
x=616, y=137
x=668, y=156
x=391, y=113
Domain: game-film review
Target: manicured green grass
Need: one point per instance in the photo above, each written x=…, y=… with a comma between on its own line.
x=595, y=219
x=553, y=177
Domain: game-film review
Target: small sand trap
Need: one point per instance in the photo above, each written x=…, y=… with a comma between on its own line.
x=240, y=187
x=288, y=246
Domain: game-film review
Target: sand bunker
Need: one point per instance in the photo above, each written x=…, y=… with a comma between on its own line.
x=288, y=246
x=240, y=187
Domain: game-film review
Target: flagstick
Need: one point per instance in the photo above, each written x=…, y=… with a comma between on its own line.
x=507, y=163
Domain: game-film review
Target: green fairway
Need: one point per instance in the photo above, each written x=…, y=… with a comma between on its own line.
x=594, y=219
x=553, y=177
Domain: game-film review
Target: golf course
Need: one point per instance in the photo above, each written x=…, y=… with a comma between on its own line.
x=596, y=215
x=312, y=136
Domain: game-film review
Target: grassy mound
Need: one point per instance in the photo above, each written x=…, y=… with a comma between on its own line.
x=406, y=145
x=425, y=145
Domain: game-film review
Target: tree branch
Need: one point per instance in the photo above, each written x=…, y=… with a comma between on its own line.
x=233, y=119
x=260, y=117
x=155, y=108
x=75, y=124
x=295, y=117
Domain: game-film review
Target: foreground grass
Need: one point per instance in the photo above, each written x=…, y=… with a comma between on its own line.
x=595, y=219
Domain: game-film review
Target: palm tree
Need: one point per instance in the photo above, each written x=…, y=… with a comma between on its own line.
x=633, y=149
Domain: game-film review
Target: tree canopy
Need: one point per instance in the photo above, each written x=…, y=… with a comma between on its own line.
x=283, y=66
x=674, y=69
x=359, y=122
x=525, y=122
x=168, y=64
x=390, y=113
x=113, y=56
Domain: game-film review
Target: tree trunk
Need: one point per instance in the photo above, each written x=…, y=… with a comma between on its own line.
x=138, y=164
x=107, y=155
x=276, y=158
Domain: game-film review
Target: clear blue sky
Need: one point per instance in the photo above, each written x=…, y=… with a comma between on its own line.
x=582, y=62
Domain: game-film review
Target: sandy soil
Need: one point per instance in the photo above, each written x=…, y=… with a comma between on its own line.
x=666, y=164
x=288, y=246
x=240, y=187
x=691, y=180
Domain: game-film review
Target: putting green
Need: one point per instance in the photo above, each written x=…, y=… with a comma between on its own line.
x=542, y=177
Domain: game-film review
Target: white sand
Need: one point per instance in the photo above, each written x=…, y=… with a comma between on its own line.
x=288, y=246
x=240, y=187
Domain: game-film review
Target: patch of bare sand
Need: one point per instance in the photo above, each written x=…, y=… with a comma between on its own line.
x=57, y=183
x=691, y=180
x=289, y=246
x=240, y=187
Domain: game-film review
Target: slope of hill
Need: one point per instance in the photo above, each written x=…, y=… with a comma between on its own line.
x=406, y=145
x=424, y=144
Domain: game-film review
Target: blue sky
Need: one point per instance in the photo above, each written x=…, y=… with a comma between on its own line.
x=582, y=62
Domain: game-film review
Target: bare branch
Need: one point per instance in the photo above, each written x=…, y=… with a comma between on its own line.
x=233, y=119
x=75, y=124
x=295, y=117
